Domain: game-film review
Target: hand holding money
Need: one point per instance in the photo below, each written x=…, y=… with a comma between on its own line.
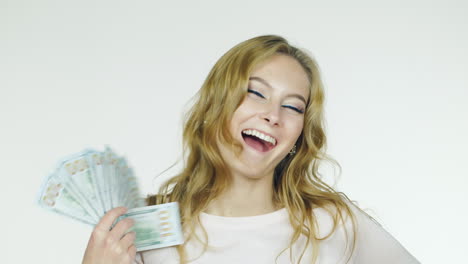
x=88, y=185
x=108, y=246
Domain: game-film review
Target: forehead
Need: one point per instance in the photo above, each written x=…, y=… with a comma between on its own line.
x=284, y=74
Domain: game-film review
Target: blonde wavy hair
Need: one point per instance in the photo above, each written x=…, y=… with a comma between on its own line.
x=297, y=182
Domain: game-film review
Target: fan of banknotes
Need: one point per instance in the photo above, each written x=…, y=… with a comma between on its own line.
x=86, y=185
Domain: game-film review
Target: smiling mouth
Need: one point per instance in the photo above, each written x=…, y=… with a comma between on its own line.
x=258, y=141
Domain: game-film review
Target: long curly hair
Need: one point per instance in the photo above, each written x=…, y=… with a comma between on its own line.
x=297, y=182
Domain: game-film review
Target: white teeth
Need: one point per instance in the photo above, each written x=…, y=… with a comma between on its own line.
x=260, y=135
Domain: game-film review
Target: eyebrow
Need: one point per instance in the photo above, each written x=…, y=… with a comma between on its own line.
x=298, y=96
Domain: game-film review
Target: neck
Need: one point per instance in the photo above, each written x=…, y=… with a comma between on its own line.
x=245, y=197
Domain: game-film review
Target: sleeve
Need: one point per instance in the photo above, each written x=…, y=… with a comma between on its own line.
x=376, y=245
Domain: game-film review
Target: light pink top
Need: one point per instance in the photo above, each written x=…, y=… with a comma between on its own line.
x=259, y=239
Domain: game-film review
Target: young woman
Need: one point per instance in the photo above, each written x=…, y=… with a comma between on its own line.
x=250, y=191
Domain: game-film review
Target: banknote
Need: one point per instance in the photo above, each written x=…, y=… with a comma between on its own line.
x=56, y=197
x=76, y=174
x=156, y=226
x=87, y=184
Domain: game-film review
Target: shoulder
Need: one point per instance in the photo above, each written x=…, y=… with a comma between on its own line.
x=374, y=244
x=336, y=216
x=349, y=217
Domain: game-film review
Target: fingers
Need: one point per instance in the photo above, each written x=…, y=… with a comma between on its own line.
x=109, y=218
x=132, y=252
x=121, y=228
x=128, y=240
x=111, y=246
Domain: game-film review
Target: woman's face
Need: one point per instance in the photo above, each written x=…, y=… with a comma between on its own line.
x=270, y=119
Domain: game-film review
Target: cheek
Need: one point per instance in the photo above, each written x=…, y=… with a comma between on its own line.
x=241, y=113
x=236, y=120
x=296, y=128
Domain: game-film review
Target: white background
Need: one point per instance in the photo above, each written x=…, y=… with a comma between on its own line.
x=78, y=74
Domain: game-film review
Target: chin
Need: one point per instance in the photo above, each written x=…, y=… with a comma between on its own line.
x=253, y=173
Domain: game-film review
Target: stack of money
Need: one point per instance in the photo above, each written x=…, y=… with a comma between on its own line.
x=86, y=185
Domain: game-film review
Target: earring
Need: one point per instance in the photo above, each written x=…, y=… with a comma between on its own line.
x=293, y=150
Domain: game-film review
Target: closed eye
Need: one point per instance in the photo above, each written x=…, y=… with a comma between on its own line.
x=294, y=108
x=256, y=93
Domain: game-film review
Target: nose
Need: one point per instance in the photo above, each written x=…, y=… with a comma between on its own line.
x=271, y=114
